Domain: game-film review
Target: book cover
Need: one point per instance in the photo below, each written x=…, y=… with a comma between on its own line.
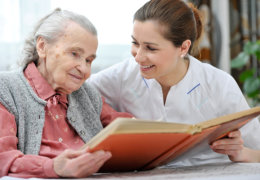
x=145, y=144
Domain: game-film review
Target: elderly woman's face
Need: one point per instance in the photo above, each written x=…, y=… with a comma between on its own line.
x=66, y=63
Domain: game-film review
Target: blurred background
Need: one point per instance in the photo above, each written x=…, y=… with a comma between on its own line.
x=229, y=26
x=112, y=18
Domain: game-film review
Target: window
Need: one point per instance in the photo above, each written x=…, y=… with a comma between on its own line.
x=113, y=20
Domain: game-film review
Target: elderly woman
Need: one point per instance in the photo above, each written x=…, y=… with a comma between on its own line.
x=46, y=108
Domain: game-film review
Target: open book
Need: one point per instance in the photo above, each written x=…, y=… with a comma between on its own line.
x=143, y=144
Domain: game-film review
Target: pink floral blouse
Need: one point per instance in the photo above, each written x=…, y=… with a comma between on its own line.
x=57, y=135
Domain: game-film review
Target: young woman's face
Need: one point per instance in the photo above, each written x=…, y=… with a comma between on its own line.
x=158, y=57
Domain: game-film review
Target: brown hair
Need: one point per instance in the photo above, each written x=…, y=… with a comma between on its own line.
x=182, y=21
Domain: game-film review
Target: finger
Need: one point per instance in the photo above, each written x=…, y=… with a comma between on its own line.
x=71, y=154
x=102, y=153
x=98, y=165
x=90, y=159
x=85, y=149
x=228, y=141
x=234, y=134
x=94, y=157
x=228, y=147
x=93, y=166
x=228, y=152
x=91, y=162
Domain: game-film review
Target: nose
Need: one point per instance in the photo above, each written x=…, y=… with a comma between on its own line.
x=84, y=68
x=138, y=54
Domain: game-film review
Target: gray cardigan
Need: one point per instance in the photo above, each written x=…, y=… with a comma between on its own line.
x=18, y=97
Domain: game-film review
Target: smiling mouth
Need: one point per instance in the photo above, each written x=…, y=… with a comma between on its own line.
x=146, y=67
x=78, y=78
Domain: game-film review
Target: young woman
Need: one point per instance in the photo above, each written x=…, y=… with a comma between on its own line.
x=164, y=82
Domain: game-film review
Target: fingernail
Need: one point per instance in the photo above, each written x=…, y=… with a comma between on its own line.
x=101, y=152
x=232, y=134
x=109, y=154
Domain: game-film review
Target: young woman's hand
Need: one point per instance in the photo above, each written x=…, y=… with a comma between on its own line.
x=233, y=146
x=79, y=163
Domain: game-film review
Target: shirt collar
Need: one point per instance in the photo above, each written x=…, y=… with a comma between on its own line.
x=40, y=85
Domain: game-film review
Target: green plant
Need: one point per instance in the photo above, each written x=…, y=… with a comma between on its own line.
x=248, y=60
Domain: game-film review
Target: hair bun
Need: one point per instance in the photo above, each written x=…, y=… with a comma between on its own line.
x=198, y=19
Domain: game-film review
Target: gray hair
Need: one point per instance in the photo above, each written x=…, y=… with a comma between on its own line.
x=51, y=27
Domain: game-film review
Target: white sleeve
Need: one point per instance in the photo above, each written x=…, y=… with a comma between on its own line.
x=235, y=102
x=109, y=82
x=251, y=134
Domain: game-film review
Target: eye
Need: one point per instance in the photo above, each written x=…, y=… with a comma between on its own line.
x=75, y=54
x=151, y=49
x=134, y=43
x=89, y=60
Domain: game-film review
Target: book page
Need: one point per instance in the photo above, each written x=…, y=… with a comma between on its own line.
x=246, y=114
x=137, y=126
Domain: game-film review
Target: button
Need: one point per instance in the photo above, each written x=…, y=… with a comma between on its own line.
x=57, y=116
x=60, y=139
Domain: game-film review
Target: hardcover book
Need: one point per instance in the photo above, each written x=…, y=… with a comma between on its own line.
x=138, y=144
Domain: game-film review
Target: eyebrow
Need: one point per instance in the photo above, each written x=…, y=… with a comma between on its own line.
x=78, y=49
x=93, y=56
x=149, y=43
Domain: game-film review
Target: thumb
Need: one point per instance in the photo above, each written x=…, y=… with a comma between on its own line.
x=74, y=153
x=234, y=134
x=85, y=149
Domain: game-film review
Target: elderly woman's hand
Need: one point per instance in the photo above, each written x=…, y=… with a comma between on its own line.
x=79, y=164
x=233, y=146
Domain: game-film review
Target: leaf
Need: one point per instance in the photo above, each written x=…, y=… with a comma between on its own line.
x=251, y=85
x=254, y=95
x=250, y=78
x=246, y=74
x=257, y=54
x=252, y=48
x=240, y=60
x=248, y=47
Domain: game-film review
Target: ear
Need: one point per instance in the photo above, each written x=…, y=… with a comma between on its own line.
x=185, y=47
x=41, y=47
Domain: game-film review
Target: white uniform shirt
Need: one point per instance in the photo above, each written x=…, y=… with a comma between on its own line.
x=204, y=93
